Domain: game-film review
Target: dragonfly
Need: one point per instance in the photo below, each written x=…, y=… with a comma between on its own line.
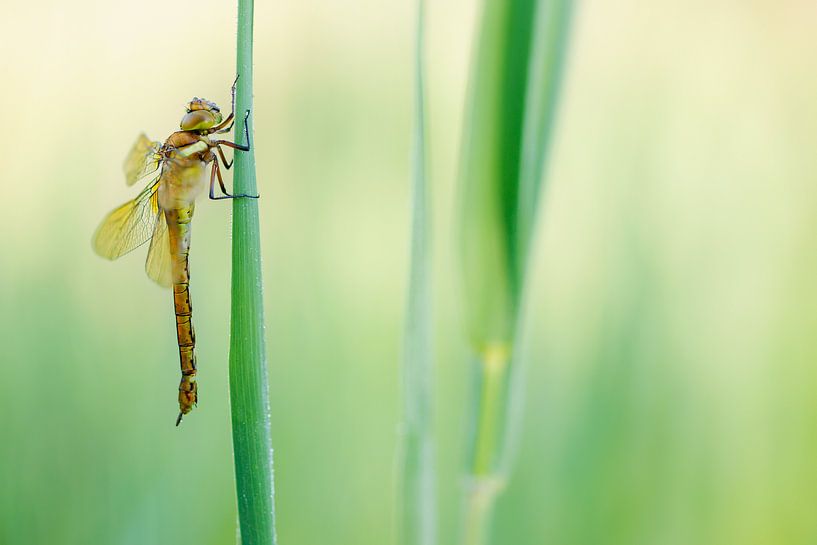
x=174, y=173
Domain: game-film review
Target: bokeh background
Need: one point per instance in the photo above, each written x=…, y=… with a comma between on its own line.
x=672, y=378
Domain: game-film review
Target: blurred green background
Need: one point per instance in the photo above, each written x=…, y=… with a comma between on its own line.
x=672, y=386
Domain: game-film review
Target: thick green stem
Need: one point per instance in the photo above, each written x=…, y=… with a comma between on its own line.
x=249, y=392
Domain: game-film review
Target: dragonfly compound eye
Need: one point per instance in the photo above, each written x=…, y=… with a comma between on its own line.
x=197, y=120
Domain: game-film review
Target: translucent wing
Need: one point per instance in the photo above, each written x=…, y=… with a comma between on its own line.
x=130, y=225
x=142, y=160
x=158, y=262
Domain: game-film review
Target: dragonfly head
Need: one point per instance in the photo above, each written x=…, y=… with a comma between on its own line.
x=201, y=115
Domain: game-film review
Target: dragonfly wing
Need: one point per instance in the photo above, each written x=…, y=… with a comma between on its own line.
x=130, y=225
x=158, y=263
x=142, y=160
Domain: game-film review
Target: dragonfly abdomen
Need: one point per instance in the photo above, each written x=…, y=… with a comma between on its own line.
x=186, y=334
x=178, y=225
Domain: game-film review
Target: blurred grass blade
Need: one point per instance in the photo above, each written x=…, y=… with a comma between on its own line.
x=548, y=48
x=249, y=391
x=417, y=517
x=513, y=89
x=490, y=168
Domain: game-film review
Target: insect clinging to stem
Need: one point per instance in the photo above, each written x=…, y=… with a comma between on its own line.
x=174, y=173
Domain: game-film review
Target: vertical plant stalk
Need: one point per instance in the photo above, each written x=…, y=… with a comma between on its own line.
x=417, y=515
x=249, y=391
x=513, y=91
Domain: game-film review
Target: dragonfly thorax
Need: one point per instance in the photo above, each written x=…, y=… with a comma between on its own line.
x=201, y=115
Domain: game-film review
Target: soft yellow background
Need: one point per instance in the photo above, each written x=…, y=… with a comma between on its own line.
x=672, y=386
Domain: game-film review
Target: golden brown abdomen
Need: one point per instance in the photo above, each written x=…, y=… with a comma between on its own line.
x=178, y=225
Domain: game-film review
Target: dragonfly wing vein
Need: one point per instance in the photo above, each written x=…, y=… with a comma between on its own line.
x=158, y=265
x=128, y=226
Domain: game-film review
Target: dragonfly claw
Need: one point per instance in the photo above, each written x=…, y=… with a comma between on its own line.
x=179, y=419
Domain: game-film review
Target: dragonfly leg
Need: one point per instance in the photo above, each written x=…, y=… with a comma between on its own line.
x=236, y=145
x=222, y=129
x=227, y=124
x=232, y=93
x=215, y=173
x=227, y=165
x=224, y=126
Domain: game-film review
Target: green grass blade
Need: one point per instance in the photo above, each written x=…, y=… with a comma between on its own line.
x=249, y=391
x=548, y=52
x=548, y=49
x=513, y=91
x=417, y=516
x=490, y=169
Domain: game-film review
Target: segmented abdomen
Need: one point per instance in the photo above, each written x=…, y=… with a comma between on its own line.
x=178, y=225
